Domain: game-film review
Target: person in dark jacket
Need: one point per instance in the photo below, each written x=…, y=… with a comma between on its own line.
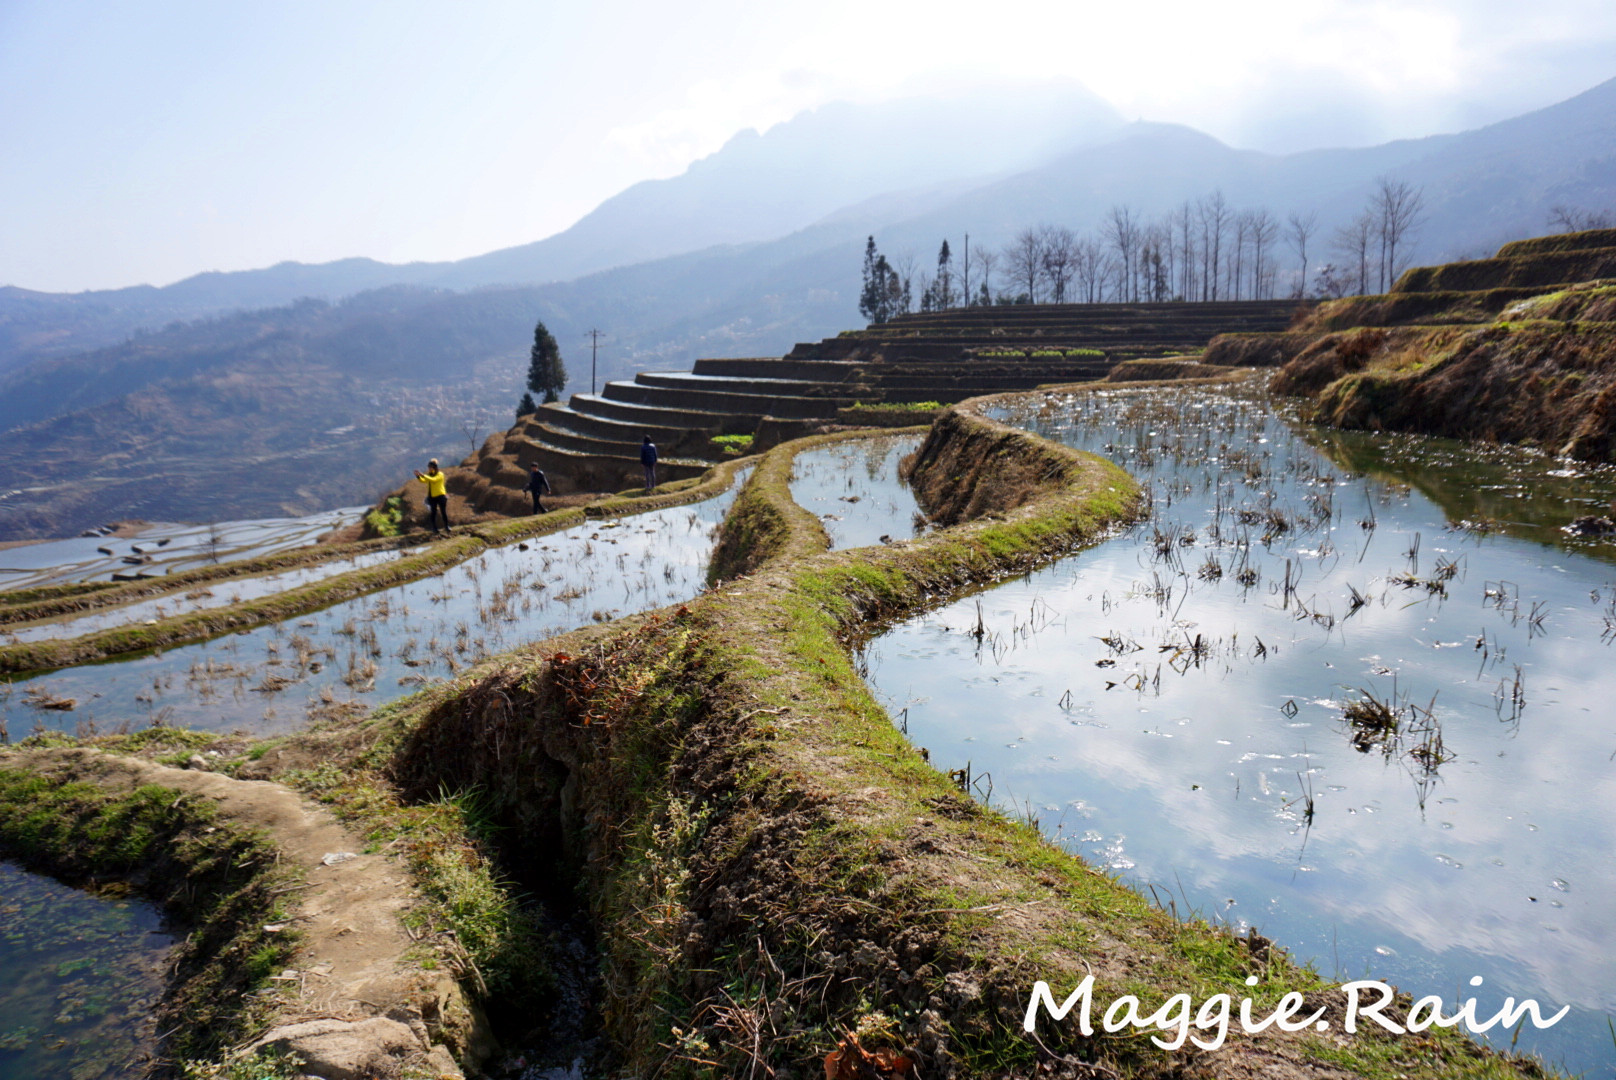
x=537, y=485
x=648, y=458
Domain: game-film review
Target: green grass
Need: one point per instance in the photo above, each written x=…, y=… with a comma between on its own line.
x=894, y=406
x=388, y=518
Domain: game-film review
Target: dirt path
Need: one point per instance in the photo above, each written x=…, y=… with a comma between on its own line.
x=358, y=992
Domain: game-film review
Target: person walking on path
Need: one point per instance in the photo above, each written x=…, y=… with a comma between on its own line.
x=537, y=484
x=437, y=495
x=648, y=458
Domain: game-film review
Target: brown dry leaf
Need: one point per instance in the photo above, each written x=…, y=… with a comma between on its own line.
x=850, y=1061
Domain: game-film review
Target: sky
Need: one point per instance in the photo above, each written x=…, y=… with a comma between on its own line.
x=141, y=143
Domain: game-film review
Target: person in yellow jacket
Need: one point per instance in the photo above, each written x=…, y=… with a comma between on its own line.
x=437, y=496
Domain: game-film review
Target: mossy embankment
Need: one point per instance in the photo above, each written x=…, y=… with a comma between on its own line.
x=200, y=625
x=1518, y=348
x=770, y=867
x=1545, y=383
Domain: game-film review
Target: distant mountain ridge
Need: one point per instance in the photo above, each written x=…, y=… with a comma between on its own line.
x=757, y=187
x=408, y=330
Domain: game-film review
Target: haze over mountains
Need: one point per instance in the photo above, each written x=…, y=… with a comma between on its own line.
x=750, y=250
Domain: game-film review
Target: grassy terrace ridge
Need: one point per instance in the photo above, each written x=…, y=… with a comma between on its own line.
x=467, y=542
x=768, y=865
x=1573, y=241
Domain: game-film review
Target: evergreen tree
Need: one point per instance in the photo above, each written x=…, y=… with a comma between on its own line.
x=872, y=296
x=943, y=292
x=525, y=407
x=545, y=373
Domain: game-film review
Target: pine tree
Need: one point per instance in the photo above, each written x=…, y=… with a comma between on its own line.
x=545, y=373
x=872, y=296
x=526, y=407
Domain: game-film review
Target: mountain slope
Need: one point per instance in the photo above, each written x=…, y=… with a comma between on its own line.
x=756, y=187
x=753, y=298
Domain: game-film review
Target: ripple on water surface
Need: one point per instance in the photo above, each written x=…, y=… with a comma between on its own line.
x=1298, y=698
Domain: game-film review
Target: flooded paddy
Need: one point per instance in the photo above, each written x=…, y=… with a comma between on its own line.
x=159, y=548
x=377, y=647
x=82, y=976
x=218, y=594
x=1301, y=698
x=854, y=490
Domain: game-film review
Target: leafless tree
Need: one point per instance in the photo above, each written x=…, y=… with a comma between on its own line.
x=1563, y=218
x=1301, y=229
x=1353, y=243
x=1213, y=214
x=1122, y=231
x=986, y=260
x=472, y=429
x=1242, y=234
x=1398, y=209
x=1025, y=261
x=904, y=263
x=1090, y=269
x=1059, y=254
x=1264, y=231
x=1182, y=220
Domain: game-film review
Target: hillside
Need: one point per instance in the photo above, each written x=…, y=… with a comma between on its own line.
x=1520, y=347
x=757, y=187
x=736, y=299
x=285, y=411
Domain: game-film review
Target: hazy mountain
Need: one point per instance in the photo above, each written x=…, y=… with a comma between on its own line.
x=757, y=187
x=154, y=405
x=1480, y=187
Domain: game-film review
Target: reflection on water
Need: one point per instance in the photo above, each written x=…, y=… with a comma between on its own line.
x=854, y=490
x=376, y=647
x=1513, y=489
x=1171, y=704
x=202, y=598
x=81, y=976
x=163, y=548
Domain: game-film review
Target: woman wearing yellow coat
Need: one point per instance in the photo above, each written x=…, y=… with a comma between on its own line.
x=437, y=496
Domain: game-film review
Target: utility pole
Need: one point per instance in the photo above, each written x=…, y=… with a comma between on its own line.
x=594, y=341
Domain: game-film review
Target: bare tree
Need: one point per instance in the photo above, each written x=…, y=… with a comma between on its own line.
x=472, y=429
x=904, y=263
x=986, y=260
x=1242, y=233
x=1563, y=218
x=1182, y=220
x=1264, y=231
x=1059, y=255
x=1301, y=229
x=1213, y=214
x=1353, y=242
x=1122, y=230
x=1398, y=209
x=1025, y=260
x=1089, y=268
